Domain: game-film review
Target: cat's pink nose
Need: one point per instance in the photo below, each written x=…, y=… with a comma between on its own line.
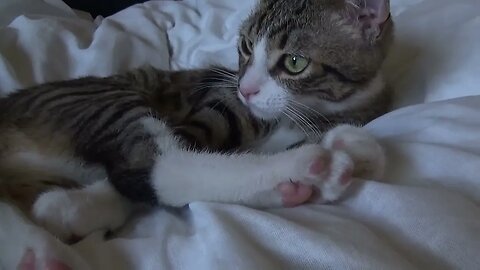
x=248, y=93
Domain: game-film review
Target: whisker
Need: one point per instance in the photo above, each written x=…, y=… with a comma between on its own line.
x=302, y=121
x=316, y=129
x=307, y=121
x=208, y=86
x=224, y=72
x=222, y=79
x=311, y=110
x=287, y=113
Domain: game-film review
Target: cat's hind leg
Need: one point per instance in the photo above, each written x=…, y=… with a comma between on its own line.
x=24, y=246
x=75, y=213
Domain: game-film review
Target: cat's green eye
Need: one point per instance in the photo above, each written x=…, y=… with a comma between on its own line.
x=295, y=64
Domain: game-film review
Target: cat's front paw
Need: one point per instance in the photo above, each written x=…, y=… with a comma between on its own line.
x=327, y=173
x=367, y=154
x=25, y=246
x=30, y=261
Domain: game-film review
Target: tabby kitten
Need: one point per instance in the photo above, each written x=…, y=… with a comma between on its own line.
x=171, y=138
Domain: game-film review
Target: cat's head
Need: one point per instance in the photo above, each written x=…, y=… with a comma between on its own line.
x=324, y=54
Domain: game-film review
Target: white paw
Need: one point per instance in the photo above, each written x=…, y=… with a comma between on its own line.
x=367, y=154
x=49, y=258
x=77, y=213
x=309, y=173
x=25, y=246
x=329, y=171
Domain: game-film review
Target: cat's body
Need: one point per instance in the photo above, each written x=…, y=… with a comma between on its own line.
x=171, y=138
x=90, y=128
x=72, y=134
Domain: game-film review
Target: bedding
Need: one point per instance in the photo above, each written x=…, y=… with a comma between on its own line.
x=424, y=214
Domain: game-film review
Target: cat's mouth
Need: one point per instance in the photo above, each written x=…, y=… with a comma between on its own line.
x=264, y=111
x=265, y=115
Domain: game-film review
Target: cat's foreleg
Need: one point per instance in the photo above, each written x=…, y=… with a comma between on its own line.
x=181, y=176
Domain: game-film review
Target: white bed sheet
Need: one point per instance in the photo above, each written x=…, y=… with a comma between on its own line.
x=424, y=215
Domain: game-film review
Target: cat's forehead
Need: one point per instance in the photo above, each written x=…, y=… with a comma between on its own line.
x=277, y=17
x=298, y=26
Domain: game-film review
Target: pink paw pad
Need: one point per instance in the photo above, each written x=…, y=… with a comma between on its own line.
x=319, y=165
x=294, y=194
x=28, y=262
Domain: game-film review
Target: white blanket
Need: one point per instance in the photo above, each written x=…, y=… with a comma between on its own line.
x=424, y=214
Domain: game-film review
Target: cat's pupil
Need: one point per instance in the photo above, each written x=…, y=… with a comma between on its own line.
x=294, y=61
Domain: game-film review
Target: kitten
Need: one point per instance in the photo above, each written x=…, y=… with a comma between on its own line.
x=170, y=138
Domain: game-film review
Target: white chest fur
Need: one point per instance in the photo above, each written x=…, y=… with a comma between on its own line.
x=283, y=137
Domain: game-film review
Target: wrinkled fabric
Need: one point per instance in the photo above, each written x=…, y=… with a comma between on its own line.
x=424, y=214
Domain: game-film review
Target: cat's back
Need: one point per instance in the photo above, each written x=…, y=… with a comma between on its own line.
x=55, y=97
x=48, y=117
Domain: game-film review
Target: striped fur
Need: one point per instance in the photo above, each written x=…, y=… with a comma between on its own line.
x=97, y=120
x=74, y=133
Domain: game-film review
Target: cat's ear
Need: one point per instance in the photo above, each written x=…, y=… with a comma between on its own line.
x=370, y=15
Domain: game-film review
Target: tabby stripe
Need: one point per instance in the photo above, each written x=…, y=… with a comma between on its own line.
x=142, y=77
x=50, y=183
x=296, y=145
x=207, y=130
x=131, y=128
x=250, y=29
x=283, y=41
x=132, y=141
x=333, y=98
x=107, y=140
x=200, y=95
x=270, y=5
x=76, y=83
x=302, y=8
x=86, y=101
x=260, y=22
x=234, y=139
x=60, y=96
x=89, y=119
x=262, y=18
x=84, y=107
x=59, y=86
x=284, y=27
x=114, y=136
x=62, y=108
x=187, y=137
x=118, y=115
x=61, y=183
x=70, y=117
x=28, y=102
x=340, y=76
x=255, y=124
x=346, y=95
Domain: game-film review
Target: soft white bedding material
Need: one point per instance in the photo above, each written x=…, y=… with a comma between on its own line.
x=425, y=214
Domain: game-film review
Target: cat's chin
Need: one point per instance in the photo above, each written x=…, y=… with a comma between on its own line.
x=264, y=114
